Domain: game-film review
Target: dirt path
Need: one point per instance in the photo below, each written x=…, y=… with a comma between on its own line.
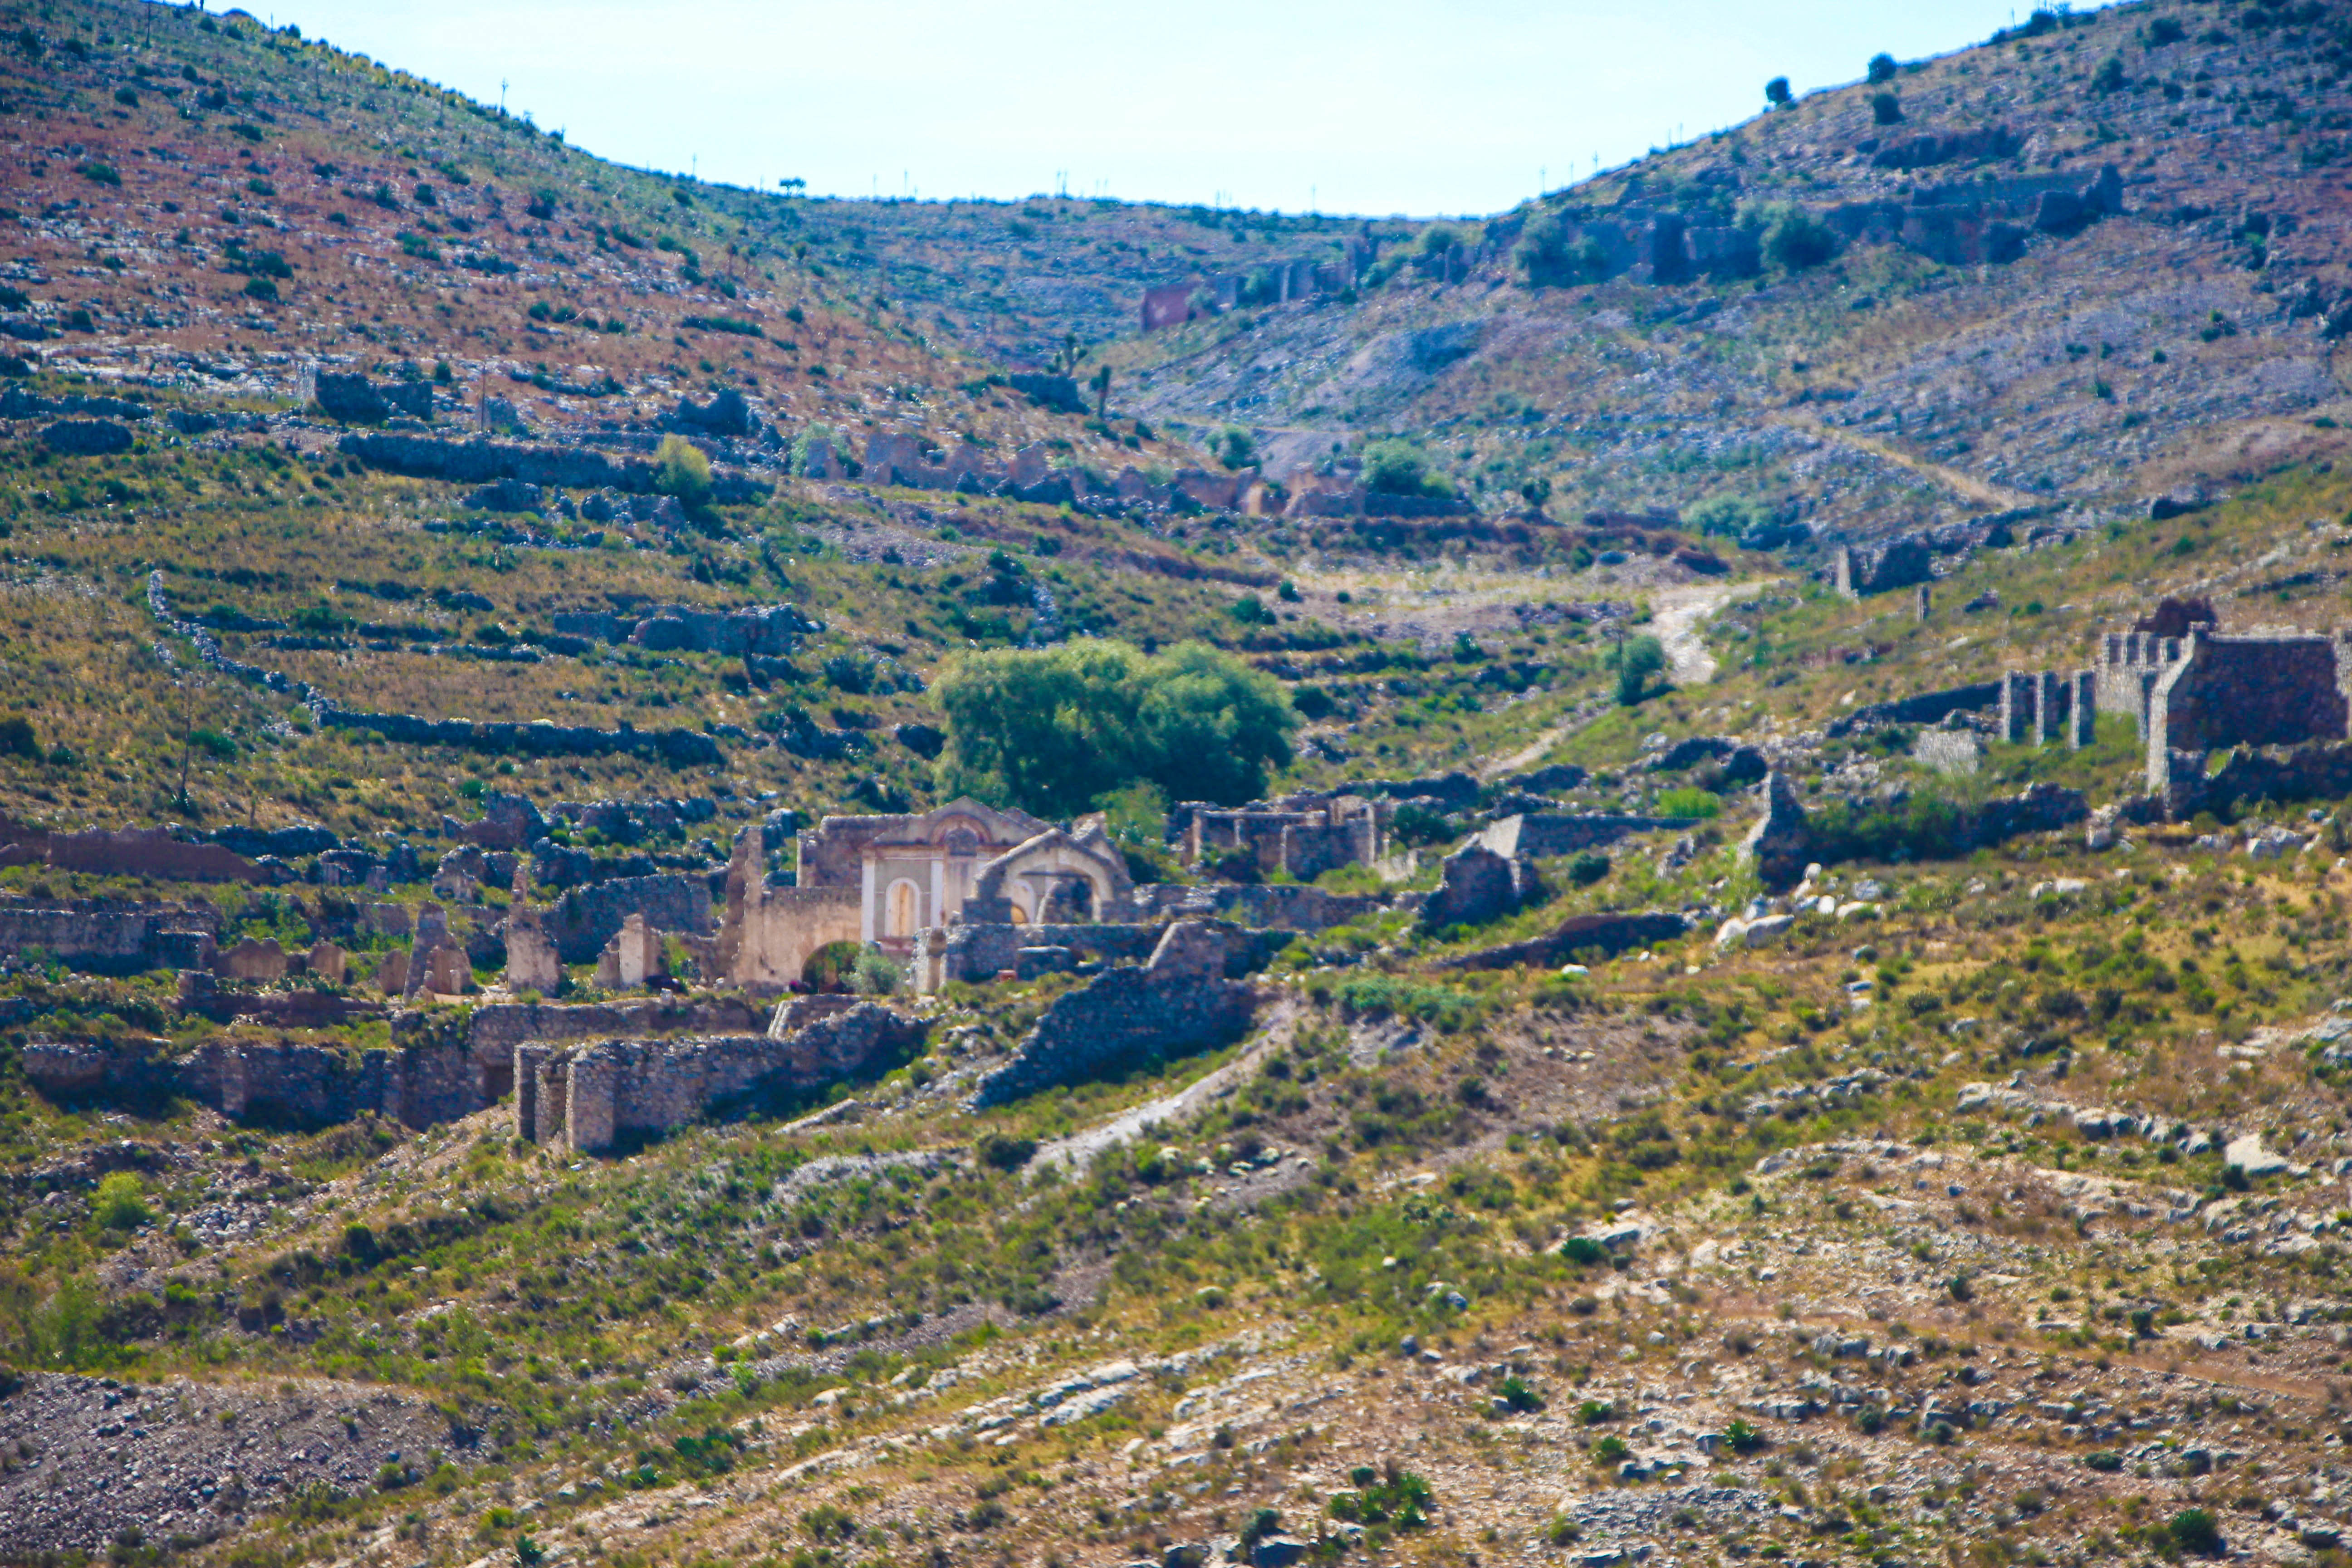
x=1676, y=613
x=1981, y=491
x=1674, y=617
x=1075, y=1151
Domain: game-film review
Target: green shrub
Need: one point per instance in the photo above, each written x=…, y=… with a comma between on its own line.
x=1640, y=670
x=1394, y=1497
x=1688, y=801
x=16, y=737
x=1796, y=239
x=1400, y=469
x=2196, y=1530
x=121, y=1202
x=1881, y=69
x=1924, y=827
x=681, y=470
x=1587, y=868
x=1885, y=109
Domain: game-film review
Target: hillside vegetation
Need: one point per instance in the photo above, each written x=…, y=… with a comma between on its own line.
x=1983, y=1207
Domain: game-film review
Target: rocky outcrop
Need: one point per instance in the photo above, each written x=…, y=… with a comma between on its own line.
x=1178, y=1002
x=510, y=822
x=1925, y=708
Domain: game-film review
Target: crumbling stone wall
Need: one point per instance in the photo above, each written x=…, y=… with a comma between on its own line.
x=1290, y=907
x=111, y=935
x=1477, y=885
x=1608, y=933
x=1858, y=570
x=1181, y=1001
x=480, y=462
x=2239, y=692
x=584, y=918
x=1533, y=834
x=130, y=852
x=584, y=1098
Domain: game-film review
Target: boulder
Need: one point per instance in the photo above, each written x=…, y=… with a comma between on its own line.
x=2248, y=1152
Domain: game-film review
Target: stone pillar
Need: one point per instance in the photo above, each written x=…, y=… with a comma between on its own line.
x=588, y=1110
x=554, y=1098
x=2083, y=710
x=937, y=915
x=865, y=901
x=2049, y=707
x=528, y=1061
x=2017, y=695
x=1926, y=600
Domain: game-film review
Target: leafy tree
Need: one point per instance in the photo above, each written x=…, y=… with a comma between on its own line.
x=1214, y=727
x=1885, y=109
x=1053, y=731
x=1777, y=93
x=2109, y=77
x=1234, y=447
x=1046, y=731
x=1881, y=69
x=681, y=469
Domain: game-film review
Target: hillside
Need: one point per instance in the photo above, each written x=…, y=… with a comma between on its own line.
x=518, y=1044
x=2196, y=335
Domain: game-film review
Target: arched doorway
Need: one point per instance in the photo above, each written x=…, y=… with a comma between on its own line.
x=900, y=913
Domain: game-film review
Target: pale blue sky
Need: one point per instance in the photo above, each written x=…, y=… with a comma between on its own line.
x=1370, y=106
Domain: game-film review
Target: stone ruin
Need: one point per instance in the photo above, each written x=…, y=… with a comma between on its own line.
x=1860, y=570
x=2038, y=708
x=586, y=1098
x=1304, y=835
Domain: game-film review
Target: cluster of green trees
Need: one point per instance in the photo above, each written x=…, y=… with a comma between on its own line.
x=1055, y=730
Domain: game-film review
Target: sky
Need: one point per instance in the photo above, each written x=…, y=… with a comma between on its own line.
x=1371, y=107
